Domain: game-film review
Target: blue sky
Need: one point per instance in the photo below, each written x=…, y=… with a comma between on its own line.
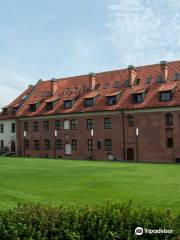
x=57, y=38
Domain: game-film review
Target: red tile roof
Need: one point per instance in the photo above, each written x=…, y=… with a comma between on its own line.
x=68, y=88
x=113, y=94
x=138, y=90
x=167, y=87
x=52, y=99
x=91, y=95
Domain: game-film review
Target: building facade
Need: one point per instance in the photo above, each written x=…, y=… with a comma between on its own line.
x=131, y=114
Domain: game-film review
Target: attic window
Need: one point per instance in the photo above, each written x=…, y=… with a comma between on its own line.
x=166, y=96
x=68, y=104
x=159, y=79
x=32, y=107
x=139, y=95
x=5, y=110
x=106, y=85
x=116, y=84
x=112, y=98
x=137, y=81
x=126, y=83
x=177, y=76
x=25, y=97
x=148, y=80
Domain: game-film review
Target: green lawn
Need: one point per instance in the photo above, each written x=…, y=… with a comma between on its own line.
x=54, y=182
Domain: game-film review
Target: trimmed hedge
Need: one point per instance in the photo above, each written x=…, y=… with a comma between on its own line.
x=102, y=222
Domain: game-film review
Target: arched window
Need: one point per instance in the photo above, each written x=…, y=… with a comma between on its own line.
x=168, y=119
x=68, y=149
x=66, y=124
x=130, y=120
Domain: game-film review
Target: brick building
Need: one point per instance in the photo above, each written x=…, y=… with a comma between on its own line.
x=130, y=114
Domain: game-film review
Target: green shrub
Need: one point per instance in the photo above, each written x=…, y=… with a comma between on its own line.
x=102, y=222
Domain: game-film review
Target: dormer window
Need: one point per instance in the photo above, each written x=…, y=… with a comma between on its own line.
x=166, y=96
x=5, y=111
x=139, y=95
x=68, y=104
x=90, y=99
x=34, y=106
x=112, y=98
x=51, y=102
x=49, y=106
x=166, y=92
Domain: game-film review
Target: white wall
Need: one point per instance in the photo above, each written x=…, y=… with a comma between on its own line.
x=7, y=136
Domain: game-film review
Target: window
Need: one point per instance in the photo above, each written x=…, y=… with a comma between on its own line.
x=90, y=124
x=90, y=144
x=46, y=125
x=116, y=84
x=26, y=126
x=49, y=106
x=126, y=83
x=1, y=128
x=106, y=85
x=73, y=124
x=68, y=104
x=2, y=145
x=74, y=145
x=35, y=126
x=57, y=125
x=32, y=107
x=47, y=144
x=139, y=97
x=98, y=145
x=108, y=144
x=137, y=81
x=26, y=144
x=13, y=128
x=89, y=102
x=169, y=142
x=166, y=96
x=59, y=145
x=177, y=76
x=107, y=123
x=5, y=110
x=112, y=100
x=36, y=145
x=66, y=124
x=159, y=79
x=168, y=119
x=130, y=120
x=148, y=80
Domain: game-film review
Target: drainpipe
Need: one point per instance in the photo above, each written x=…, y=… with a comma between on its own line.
x=124, y=142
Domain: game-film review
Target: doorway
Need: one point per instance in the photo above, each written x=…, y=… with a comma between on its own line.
x=130, y=154
x=13, y=146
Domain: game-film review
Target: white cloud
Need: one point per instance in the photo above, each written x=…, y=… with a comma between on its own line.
x=144, y=32
x=12, y=83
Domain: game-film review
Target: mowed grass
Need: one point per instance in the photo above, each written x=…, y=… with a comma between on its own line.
x=54, y=182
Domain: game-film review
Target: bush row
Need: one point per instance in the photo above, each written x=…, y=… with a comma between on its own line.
x=101, y=222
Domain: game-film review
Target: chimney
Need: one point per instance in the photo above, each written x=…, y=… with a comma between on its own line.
x=132, y=74
x=92, y=81
x=54, y=86
x=164, y=70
